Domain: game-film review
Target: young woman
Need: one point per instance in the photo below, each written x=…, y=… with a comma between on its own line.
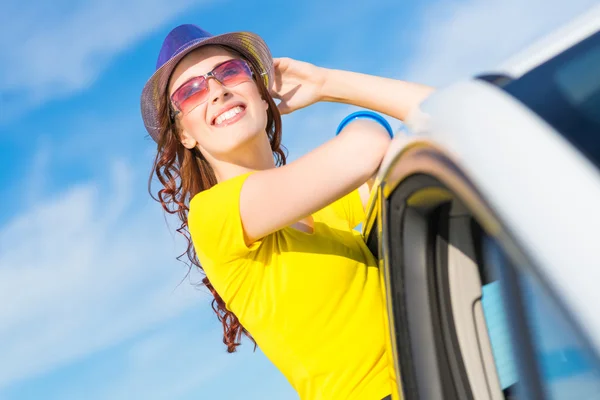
x=276, y=241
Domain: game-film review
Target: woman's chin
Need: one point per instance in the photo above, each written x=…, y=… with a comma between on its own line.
x=233, y=140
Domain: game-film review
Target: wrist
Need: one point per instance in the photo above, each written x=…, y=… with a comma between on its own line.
x=324, y=84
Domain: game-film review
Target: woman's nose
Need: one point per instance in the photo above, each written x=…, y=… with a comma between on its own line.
x=216, y=90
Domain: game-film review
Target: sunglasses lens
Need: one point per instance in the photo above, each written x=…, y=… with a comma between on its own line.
x=232, y=73
x=191, y=94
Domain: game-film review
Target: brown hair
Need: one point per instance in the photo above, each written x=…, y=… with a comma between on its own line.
x=183, y=173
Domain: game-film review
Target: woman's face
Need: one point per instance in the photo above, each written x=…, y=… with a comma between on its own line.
x=229, y=118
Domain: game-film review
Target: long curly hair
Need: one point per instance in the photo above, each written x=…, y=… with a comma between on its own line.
x=183, y=173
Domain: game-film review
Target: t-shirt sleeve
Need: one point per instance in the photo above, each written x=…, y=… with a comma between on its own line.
x=350, y=208
x=215, y=223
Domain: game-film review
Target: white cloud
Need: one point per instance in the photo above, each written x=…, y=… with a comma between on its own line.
x=177, y=362
x=35, y=182
x=56, y=48
x=453, y=39
x=85, y=270
x=189, y=366
x=460, y=38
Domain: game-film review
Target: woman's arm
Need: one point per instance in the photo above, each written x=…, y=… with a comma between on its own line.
x=275, y=198
x=299, y=84
x=393, y=97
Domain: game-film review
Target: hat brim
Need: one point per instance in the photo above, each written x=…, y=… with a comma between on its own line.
x=250, y=45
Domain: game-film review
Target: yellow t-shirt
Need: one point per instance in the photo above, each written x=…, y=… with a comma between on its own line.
x=313, y=302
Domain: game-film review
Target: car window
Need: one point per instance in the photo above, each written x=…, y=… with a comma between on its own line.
x=565, y=92
x=566, y=366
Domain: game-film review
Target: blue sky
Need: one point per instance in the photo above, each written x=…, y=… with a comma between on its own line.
x=91, y=301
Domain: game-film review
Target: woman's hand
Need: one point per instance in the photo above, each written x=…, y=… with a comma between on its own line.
x=297, y=84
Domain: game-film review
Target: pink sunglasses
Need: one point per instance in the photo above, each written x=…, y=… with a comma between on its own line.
x=195, y=91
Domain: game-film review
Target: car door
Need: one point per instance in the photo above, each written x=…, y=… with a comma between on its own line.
x=474, y=312
x=470, y=317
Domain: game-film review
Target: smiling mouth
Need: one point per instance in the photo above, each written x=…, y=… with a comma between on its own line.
x=230, y=116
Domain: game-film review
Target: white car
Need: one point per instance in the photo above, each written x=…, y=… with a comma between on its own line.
x=486, y=222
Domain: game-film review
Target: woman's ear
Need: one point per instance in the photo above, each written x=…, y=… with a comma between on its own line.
x=187, y=140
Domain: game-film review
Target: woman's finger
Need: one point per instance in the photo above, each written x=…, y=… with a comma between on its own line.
x=283, y=108
x=274, y=94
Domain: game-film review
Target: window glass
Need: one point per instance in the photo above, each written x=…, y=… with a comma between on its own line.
x=566, y=366
x=565, y=92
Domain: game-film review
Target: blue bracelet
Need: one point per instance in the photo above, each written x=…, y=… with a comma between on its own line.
x=365, y=114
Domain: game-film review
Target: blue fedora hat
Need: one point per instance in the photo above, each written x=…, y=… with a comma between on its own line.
x=178, y=43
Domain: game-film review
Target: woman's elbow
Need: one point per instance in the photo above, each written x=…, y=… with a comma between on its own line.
x=370, y=142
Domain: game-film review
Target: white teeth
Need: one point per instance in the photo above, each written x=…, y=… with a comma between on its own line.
x=228, y=114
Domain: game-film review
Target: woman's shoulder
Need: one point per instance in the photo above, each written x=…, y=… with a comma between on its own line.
x=214, y=222
x=220, y=193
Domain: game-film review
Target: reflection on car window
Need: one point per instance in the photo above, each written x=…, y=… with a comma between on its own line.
x=565, y=365
x=496, y=320
x=579, y=81
x=498, y=327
